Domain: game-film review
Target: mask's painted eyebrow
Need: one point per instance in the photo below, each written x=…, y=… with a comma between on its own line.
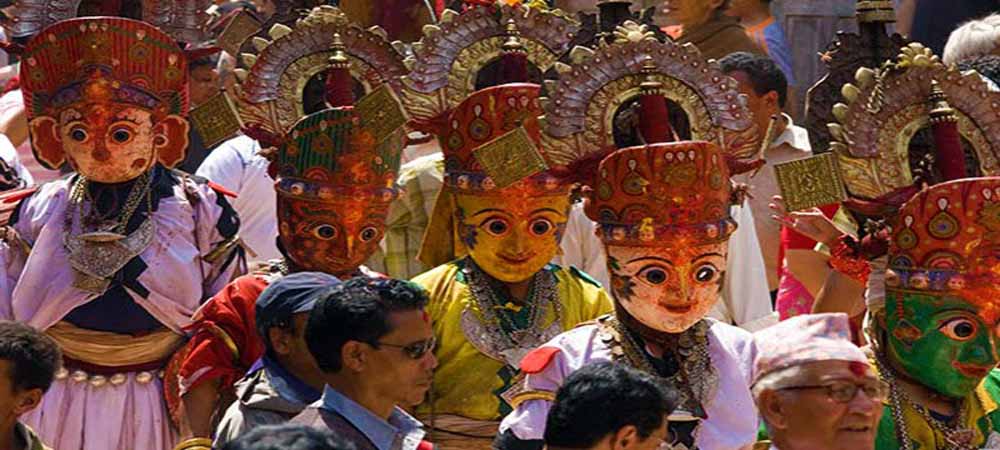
x=653, y=258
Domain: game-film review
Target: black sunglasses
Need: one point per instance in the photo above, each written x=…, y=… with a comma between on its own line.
x=415, y=350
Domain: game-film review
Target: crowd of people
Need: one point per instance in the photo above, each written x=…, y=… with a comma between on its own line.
x=503, y=225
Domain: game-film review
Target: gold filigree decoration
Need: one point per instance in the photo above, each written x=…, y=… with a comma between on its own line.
x=323, y=15
x=472, y=59
x=291, y=103
x=510, y=158
x=271, y=92
x=810, y=182
x=886, y=108
x=630, y=31
x=916, y=55
x=610, y=98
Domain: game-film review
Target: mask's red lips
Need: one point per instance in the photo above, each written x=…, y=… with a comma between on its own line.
x=516, y=259
x=972, y=370
x=678, y=309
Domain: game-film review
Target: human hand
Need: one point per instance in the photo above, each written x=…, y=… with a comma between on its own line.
x=811, y=223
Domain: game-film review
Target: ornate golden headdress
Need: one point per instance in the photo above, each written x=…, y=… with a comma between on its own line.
x=666, y=179
x=583, y=103
x=184, y=20
x=450, y=58
x=272, y=92
x=887, y=107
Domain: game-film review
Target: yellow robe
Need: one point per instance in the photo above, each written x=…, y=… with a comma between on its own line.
x=468, y=383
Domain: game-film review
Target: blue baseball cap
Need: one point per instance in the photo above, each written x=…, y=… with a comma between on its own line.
x=290, y=294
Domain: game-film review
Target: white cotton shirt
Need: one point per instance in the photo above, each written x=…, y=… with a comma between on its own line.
x=236, y=165
x=745, y=301
x=732, y=417
x=9, y=154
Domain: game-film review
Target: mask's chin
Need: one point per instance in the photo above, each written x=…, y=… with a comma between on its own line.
x=509, y=275
x=947, y=382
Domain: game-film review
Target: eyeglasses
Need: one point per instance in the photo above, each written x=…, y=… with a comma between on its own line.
x=415, y=350
x=845, y=391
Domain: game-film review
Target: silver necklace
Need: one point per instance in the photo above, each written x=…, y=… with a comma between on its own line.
x=956, y=437
x=487, y=330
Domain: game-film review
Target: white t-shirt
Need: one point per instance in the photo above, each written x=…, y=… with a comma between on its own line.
x=9, y=155
x=237, y=166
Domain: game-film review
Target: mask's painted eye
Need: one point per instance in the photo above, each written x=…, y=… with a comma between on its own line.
x=121, y=135
x=496, y=227
x=325, y=232
x=78, y=134
x=540, y=227
x=654, y=274
x=706, y=273
x=959, y=329
x=368, y=234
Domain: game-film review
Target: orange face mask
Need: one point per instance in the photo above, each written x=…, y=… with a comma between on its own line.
x=335, y=237
x=668, y=288
x=511, y=235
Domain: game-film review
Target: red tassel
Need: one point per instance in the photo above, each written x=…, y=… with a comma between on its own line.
x=583, y=170
x=339, y=86
x=950, y=158
x=514, y=68
x=653, y=119
x=111, y=7
x=514, y=61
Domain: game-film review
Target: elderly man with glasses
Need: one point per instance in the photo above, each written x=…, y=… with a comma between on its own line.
x=814, y=388
x=374, y=343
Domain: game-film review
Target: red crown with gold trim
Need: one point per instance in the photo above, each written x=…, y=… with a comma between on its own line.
x=143, y=66
x=493, y=141
x=657, y=193
x=946, y=239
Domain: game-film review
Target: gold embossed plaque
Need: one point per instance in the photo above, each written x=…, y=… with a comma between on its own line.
x=216, y=120
x=810, y=182
x=381, y=112
x=510, y=158
x=237, y=31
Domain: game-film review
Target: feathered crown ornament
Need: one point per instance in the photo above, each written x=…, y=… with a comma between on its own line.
x=325, y=53
x=184, y=20
x=466, y=51
x=678, y=121
x=352, y=149
x=584, y=107
x=876, y=135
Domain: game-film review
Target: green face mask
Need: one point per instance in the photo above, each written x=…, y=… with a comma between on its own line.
x=940, y=341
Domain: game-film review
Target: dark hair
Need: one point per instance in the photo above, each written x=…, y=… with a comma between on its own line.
x=34, y=357
x=764, y=74
x=357, y=310
x=209, y=60
x=288, y=437
x=988, y=66
x=233, y=5
x=602, y=398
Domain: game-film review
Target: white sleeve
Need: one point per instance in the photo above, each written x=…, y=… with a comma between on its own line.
x=582, y=248
x=226, y=165
x=745, y=296
x=9, y=155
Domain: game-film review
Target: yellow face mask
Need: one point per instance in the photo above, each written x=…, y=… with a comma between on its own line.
x=511, y=235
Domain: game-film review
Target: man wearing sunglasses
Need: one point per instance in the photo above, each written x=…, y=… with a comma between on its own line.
x=814, y=388
x=374, y=343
